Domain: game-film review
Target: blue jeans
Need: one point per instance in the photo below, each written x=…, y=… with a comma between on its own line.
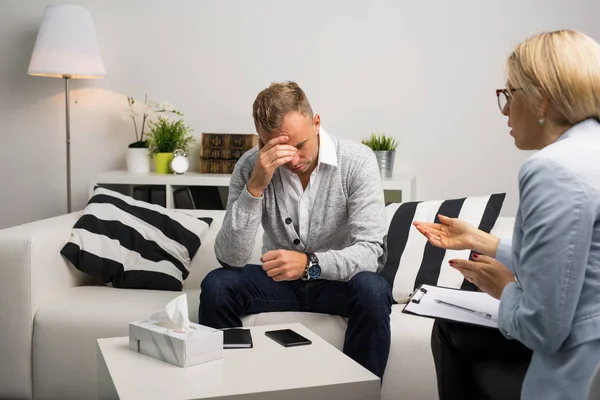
x=366, y=300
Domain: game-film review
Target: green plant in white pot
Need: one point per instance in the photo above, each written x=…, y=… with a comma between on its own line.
x=167, y=135
x=141, y=113
x=384, y=148
x=137, y=157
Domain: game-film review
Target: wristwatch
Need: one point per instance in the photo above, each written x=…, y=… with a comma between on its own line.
x=313, y=269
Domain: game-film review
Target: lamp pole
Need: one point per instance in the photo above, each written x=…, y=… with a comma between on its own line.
x=68, y=116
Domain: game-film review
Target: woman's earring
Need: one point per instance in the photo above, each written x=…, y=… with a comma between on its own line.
x=541, y=121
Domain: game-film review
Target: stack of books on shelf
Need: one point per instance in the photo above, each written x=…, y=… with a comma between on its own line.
x=220, y=151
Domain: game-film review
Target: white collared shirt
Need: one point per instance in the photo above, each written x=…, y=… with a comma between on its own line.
x=300, y=202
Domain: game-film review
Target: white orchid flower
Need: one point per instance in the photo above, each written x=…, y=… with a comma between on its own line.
x=147, y=109
x=168, y=107
x=131, y=112
x=153, y=105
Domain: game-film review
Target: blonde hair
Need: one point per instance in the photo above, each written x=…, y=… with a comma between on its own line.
x=274, y=102
x=562, y=67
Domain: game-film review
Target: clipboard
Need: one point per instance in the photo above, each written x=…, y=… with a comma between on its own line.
x=450, y=304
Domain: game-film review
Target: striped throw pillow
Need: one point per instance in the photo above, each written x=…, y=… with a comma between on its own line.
x=133, y=244
x=413, y=261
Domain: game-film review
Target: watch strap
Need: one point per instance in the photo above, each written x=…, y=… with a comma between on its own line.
x=311, y=260
x=305, y=276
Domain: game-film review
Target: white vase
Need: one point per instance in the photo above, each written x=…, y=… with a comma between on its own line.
x=138, y=160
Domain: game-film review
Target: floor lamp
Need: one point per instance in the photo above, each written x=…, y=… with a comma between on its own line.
x=66, y=47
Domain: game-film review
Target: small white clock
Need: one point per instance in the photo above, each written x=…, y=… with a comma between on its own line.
x=179, y=163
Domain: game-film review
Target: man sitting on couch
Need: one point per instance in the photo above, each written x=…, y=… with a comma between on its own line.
x=323, y=216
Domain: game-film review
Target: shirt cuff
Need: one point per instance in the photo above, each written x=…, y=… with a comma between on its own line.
x=504, y=253
x=509, y=294
x=249, y=203
x=253, y=197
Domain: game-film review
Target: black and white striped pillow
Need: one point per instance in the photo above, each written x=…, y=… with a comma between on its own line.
x=413, y=261
x=133, y=244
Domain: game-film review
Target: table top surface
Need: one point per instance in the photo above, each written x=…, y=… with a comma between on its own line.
x=268, y=366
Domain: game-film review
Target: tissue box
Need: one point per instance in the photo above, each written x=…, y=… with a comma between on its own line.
x=198, y=344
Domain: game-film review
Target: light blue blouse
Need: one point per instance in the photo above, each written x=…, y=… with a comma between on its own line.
x=554, y=308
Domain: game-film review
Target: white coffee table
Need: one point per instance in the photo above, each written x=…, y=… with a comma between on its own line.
x=267, y=371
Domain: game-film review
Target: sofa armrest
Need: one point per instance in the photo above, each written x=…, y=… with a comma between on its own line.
x=32, y=270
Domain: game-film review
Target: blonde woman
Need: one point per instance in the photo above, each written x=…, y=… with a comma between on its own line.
x=548, y=278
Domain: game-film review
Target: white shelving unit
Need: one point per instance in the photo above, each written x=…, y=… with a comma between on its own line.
x=407, y=184
x=403, y=183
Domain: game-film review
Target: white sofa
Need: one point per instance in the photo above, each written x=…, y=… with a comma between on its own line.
x=52, y=314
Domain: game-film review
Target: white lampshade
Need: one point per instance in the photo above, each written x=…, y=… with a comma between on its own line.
x=66, y=45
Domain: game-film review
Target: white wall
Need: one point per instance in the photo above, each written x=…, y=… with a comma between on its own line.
x=424, y=71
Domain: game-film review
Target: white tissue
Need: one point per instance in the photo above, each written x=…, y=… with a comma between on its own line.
x=175, y=315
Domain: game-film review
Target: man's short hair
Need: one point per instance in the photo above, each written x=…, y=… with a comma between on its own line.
x=275, y=102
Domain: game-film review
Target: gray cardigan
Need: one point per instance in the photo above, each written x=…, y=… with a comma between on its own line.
x=347, y=227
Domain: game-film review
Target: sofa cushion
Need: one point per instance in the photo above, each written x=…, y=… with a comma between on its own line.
x=133, y=244
x=410, y=363
x=66, y=328
x=412, y=260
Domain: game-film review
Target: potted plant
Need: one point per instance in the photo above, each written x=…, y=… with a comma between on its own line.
x=167, y=135
x=384, y=148
x=137, y=156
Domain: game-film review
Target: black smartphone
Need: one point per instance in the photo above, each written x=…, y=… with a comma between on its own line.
x=288, y=338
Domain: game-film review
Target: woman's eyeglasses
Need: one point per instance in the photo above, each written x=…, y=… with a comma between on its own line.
x=504, y=97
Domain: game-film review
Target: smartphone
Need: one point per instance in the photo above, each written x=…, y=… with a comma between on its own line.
x=288, y=338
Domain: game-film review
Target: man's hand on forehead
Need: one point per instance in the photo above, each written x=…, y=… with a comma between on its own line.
x=272, y=155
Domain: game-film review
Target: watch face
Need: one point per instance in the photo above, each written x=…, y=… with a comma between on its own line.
x=314, y=271
x=179, y=164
